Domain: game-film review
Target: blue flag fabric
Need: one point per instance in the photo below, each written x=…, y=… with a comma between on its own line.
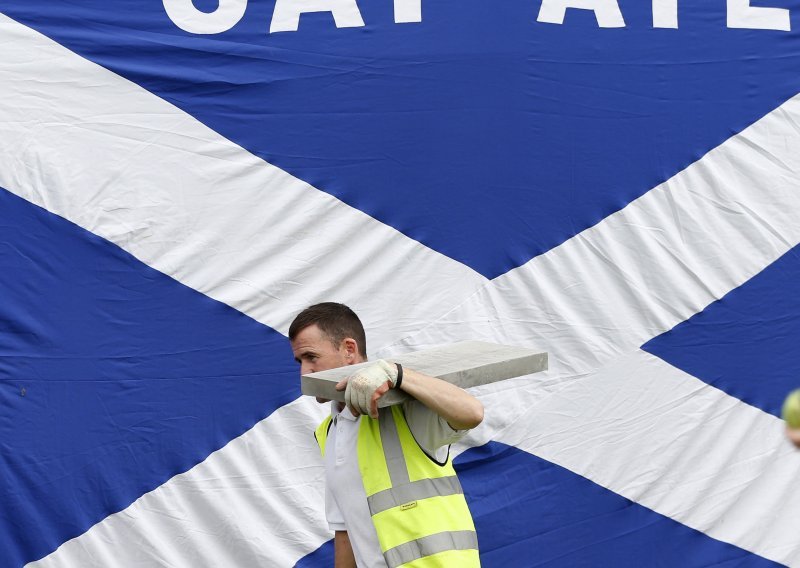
x=616, y=191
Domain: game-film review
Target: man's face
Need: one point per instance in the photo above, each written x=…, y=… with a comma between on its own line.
x=316, y=352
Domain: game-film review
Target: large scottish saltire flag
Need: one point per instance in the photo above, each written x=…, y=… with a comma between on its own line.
x=614, y=182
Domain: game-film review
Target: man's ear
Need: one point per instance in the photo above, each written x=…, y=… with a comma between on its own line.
x=350, y=349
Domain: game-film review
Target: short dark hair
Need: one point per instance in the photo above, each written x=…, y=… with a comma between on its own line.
x=337, y=321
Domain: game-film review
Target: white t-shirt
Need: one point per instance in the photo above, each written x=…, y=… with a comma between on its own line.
x=345, y=499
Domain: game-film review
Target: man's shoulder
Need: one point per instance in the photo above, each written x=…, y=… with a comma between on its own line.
x=430, y=430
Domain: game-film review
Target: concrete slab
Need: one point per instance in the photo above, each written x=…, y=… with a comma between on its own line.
x=465, y=364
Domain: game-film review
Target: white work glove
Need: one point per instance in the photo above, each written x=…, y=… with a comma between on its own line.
x=362, y=386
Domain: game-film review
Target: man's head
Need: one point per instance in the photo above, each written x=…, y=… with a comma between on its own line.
x=325, y=336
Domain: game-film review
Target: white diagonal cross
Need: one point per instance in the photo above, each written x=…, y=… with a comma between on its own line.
x=590, y=302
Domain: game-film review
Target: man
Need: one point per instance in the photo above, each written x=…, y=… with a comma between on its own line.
x=391, y=496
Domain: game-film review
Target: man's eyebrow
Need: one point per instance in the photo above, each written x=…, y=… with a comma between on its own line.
x=304, y=354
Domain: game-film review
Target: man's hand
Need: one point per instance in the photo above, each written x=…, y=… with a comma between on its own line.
x=363, y=389
x=794, y=435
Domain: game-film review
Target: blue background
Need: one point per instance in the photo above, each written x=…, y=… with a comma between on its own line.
x=746, y=343
x=480, y=132
x=483, y=134
x=529, y=512
x=113, y=379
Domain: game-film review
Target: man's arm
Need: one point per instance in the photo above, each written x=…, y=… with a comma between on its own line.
x=461, y=410
x=343, y=556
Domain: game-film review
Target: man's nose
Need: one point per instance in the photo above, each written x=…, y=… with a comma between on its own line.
x=306, y=368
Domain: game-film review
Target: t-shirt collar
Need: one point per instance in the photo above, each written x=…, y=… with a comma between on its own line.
x=344, y=413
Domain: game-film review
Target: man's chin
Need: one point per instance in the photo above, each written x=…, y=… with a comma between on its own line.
x=322, y=400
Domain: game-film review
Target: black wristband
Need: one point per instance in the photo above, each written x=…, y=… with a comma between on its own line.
x=399, y=380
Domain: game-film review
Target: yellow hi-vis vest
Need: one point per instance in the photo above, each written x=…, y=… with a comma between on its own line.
x=417, y=505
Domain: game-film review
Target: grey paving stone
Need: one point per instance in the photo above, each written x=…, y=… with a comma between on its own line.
x=465, y=364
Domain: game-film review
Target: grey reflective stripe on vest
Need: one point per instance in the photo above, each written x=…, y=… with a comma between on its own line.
x=439, y=542
x=392, y=451
x=404, y=491
x=422, y=489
